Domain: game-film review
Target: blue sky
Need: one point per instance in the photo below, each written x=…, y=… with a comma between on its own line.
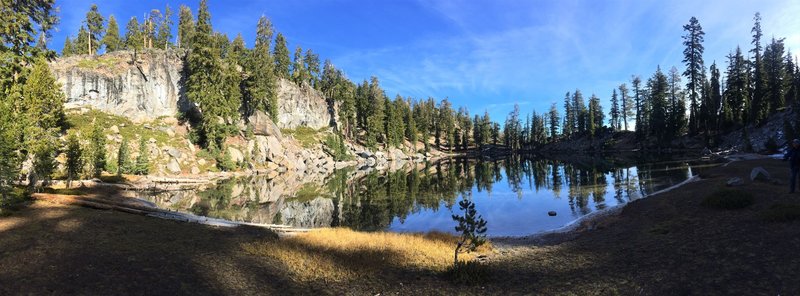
x=486, y=54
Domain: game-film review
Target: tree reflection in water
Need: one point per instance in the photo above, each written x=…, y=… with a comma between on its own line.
x=421, y=197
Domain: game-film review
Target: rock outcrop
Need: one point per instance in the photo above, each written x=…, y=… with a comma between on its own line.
x=141, y=86
x=146, y=85
x=302, y=106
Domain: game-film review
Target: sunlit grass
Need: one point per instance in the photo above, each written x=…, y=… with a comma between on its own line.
x=308, y=137
x=341, y=254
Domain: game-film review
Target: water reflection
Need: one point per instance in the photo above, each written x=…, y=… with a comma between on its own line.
x=514, y=194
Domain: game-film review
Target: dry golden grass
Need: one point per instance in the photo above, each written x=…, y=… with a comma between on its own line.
x=340, y=254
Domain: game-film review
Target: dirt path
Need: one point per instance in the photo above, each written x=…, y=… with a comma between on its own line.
x=665, y=245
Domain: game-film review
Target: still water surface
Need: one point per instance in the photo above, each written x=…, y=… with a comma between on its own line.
x=514, y=194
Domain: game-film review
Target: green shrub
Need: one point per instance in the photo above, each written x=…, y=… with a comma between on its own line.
x=728, y=199
x=336, y=147
x=781, y=212
x=468, y=272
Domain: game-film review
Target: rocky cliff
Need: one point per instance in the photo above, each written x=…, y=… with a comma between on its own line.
x=146, y=85
x=141, y=86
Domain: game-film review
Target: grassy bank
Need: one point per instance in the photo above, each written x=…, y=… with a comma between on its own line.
x=665, y=245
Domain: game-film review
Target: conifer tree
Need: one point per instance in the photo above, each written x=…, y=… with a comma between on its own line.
x=554, y=120
x=281, y=54
x=124, y=163
x=715, y=101
x=594, y=120
x=775, y=74
x=111, y=40
x=185, y=27
x=67, y=50
x=677, y=105
x=311, y=60
x=410, y=123
x=203, y=87
x=636, y=83
x=81, y=44
x=98, y=150
x=133, y=35
x=142, y=165
x=165, y=29
x=758, y=102
x=262, y=85
x=659, y=121
x=615, y=120
x=445, y=124
x=579, y=112
x=94, y=25
x=626, y=110
x=736, y=90
x=43, y=102
x=375, y=118
x=74, y=153
x=569, y=116
x=299, y=71
x=693, y=57
x=9, y=157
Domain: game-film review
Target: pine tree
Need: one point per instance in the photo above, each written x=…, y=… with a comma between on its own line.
x=124, y=163
x=375, y=119
x=43, y=102
x=614, y=113
x=627, y=105
x=569, y=116
x=554, y=120
x=759, y=103
x=715, y=99
x=111, y=41
x=736, y=90
x=636, y=83
x=74, y=154
x=775, y=73
x=142, y=165
x=411, y=125
x=659, y=121
x=81, y=45
x=677, y=105
x=185, y=27
x=579, y=112
x=203, y=87
x=445, y=124
x=262, y=85
x=594, y=114
x=94, y=25
x=98, y=150
x=299, y=71
x=9, y=156
x=281, y=54
x=165, y=28
x=67, y=50
x=311, y=60
x=693, y=57
x=133, y=35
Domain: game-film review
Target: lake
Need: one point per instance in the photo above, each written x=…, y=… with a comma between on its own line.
x=514, y=193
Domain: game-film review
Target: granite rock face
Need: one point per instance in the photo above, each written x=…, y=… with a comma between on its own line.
x=146, y=85
x=141, y=86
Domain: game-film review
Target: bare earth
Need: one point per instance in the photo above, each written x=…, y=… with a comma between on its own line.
x=664, y=245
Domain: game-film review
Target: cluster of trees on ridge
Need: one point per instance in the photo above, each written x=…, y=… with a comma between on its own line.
x=662, y=108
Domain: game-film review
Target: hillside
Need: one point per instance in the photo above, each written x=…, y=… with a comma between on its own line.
x=139, y=95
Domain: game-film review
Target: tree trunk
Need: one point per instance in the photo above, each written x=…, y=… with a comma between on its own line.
x=90, y=45
x=455, y=255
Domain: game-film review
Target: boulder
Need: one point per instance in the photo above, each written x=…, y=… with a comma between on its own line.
x=175, y=153
x=236, y=155
x=365, y=154
x=735, y=181
x=173, y=166
x=371, y=162
x=274, y=148
x=263, y=125
x=195, y=170
x=114, y=129
x=759, y=174
x=201, y=162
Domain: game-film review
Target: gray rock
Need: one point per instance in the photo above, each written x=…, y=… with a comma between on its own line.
x=760, y=174
x=195, y=170
x=371, y=162
x=114, y=129
x=175, y=153
x=735, y=181
x=365, y=154
x=263, y=125
x=173, y=166
x=236, y=155
x=201, y=162
x=302, y=106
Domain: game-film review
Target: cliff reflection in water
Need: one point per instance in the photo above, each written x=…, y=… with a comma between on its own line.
x=514, y=194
